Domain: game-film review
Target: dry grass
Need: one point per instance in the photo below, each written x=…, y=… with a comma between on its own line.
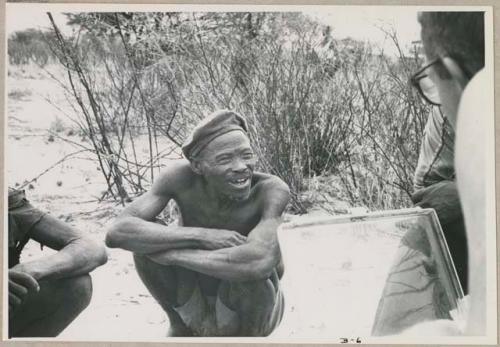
x=316, y=106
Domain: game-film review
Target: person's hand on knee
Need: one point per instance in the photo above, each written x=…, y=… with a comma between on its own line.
x=20, y=284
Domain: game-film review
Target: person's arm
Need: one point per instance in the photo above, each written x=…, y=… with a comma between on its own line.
x=77, y=255
x=134, y=230
x=253, y=260
x=471, y=160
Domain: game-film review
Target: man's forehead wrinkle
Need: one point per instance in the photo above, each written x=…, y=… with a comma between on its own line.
x=233, y=150
x=228, y=143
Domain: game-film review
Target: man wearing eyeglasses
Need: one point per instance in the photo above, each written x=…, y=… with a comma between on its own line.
x=434, y=181
x=455, y=48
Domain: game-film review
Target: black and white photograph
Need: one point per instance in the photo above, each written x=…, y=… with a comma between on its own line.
x=297, y=174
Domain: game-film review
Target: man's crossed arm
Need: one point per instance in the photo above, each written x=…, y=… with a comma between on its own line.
x=255, y=259
x=135, y=231
x=223, y=254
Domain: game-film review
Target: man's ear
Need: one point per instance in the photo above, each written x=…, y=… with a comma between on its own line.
x=195, y=166
x=456, y=72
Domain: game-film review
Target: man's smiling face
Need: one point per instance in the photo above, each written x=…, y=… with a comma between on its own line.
x=227, y=164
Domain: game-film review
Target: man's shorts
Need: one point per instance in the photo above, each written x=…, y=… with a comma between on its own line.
x=209, y=316
x=22, y=218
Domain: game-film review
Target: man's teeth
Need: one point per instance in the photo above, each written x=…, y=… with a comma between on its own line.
x=240, y=181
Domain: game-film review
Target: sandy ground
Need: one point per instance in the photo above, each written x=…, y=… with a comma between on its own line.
x=331, y=286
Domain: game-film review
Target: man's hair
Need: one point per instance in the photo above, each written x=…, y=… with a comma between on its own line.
x=458, y=35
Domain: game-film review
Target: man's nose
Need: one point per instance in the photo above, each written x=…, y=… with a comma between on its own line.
x=239, y=165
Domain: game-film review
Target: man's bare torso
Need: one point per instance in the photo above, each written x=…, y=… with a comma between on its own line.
x=198, y=210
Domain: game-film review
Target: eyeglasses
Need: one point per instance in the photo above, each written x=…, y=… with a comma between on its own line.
x=426, y=88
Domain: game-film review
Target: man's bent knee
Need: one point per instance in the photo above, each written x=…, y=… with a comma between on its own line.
x=259, y=305
x=52, y=309
x=77, y=292
x=249, y=294
x=160, y=280
x=144, y=264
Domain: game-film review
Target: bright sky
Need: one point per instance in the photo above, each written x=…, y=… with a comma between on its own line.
x=32, y=18
x=364, y=24
x=359, y=23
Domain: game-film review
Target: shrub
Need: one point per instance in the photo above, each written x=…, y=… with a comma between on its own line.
x=29, y=45
x=315, y=105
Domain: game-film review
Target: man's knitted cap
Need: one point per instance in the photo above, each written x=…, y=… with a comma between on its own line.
x=216, y=124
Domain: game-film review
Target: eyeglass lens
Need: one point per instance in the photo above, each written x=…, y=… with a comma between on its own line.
x=428, y=88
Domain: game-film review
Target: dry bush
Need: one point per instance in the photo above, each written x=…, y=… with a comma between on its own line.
x=29, y=45
x=380, y=165
x=315, y=105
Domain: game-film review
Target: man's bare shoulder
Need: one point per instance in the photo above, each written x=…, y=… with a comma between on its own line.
x=264, y=182
x=177, y=176
x=272, y=192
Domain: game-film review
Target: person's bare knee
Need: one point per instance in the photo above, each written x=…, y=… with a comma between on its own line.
x=53, y=308
x=249, y=295
x=160, y=280
x=163, y=283
x=254, y=301
x=259, y=294
x=77, y=292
